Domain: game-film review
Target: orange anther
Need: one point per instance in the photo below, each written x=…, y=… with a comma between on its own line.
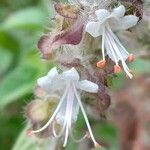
x=29, y=133
x=130, y=73
x=87, y=134
x=117, y=69
x=97, y=145
x=131, y=58
x=101, y=64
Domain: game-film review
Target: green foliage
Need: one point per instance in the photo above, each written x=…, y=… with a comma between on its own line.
x=5, y=58
x=21, y=23
x=8, y=42
x=138, y=67
x=25, y=19
x=16, y=84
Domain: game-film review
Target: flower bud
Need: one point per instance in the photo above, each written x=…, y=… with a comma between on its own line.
x=39, y=111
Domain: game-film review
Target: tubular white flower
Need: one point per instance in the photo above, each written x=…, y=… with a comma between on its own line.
x=67, y=110
x=45, y=81
x=87, y=86
x=111, y=45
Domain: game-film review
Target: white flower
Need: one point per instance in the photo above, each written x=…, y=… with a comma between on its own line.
x=106, y=23
x=67, y=110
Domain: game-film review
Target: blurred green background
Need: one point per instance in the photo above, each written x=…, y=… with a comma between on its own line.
x=22, y=22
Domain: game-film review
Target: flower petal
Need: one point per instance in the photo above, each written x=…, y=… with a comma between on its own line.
x=115, y=50
x=44, y=83
x=75, y=110
x=87, y=86
x=47, y=81
x=94, y=28
x=102, y=15
x=118, y=12
x=113, y=57
x=53, y=72
x=60, y=117
x=124, y=23
x=71, y=74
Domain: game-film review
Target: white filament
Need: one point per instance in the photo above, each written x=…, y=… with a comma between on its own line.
x=103, y=44
x=111, y=48
x=116, y=49
x=54, y=114
x=85, y=117
x=70, y=99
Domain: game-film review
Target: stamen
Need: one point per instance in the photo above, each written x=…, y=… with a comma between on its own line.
x=131, y=58
x=103, y=44
x=57, y=135
x=88, y=135
x=125, y=67
x=68, y=115
x=86, y=118
x=29, y=133
x=111, y=48
x=66, y=135
x=97, y=145
x=131, y=75
x=101, y=64
x=117, y=69
x=78, y=140
x=117, y=39
x=54, y=114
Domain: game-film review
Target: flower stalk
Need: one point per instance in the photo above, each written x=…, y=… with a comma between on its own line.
x=82, y=29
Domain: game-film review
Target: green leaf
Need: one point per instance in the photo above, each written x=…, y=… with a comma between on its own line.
x=18, y=4
x=8, y=42
x=106, y=132
x=5, y=58
x=118, y=81
x=71, y=145
x=18, y=83
x=25, y=19
x=140, y=66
